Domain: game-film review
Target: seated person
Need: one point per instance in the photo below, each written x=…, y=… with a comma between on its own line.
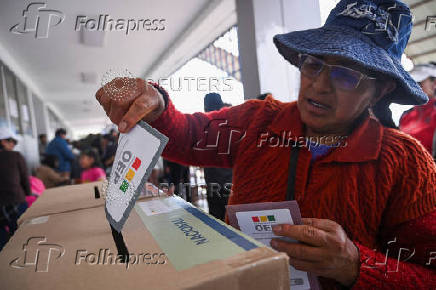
x=91, y=166
x=48, y=174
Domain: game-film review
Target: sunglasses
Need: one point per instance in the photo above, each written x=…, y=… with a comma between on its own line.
x=341, y=77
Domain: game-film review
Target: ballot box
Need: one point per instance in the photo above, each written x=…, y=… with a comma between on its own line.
x=166, y=243
x=64, y=199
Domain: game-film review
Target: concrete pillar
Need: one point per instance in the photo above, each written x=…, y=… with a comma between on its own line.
x=263, y=68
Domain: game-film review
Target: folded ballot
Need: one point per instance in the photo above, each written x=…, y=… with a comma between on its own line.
x=137, y=153
x=257, y=219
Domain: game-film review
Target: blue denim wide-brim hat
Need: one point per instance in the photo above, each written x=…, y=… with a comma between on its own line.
x=373, y=34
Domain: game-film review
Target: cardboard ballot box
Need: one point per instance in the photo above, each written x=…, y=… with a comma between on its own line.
x=63, y=199
x=171, y=245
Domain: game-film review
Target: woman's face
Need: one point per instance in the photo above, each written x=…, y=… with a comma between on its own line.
x=340, y=108
x=86, y=161
x=429, y=87
x=8, y=144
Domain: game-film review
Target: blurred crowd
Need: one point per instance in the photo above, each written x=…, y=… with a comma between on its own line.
x=90, y=159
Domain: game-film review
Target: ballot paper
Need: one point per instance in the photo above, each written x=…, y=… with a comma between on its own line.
x=137, y=153
x=257, y=219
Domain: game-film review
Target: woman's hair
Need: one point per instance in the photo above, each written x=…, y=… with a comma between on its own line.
x=50, y=161
x=60, y=131
x=8, y=139
x=381, y=109
x=90, y=152
x=383, y=113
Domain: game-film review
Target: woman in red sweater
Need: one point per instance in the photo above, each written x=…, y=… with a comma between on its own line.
x=366, y=189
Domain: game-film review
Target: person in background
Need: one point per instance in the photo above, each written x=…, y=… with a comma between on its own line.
x=47, y=172
x=156, y=173
x=218, y=180
x=91, y=165
x=37, y=187
x=114, y=133
x=97, y=143
x=420, y=121
x=109, y=145
x=14, y=185
x=76, y=170
x=42, y=145
x=262, y=96
x=176, y=175
x=59, y=147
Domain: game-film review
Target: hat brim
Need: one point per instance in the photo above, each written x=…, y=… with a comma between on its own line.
x=353, y=45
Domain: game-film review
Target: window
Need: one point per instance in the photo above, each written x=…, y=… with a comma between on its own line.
x=23, y=103
x=14, y=112
x=54, y=121
x=3, y=117
x=215, y=69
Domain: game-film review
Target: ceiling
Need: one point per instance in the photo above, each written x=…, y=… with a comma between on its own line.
x=422, y=43
x=55, y=67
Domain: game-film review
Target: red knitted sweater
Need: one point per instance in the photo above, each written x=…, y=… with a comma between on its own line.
x=379, y=185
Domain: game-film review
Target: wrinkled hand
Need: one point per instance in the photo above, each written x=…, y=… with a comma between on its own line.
x=324, y=249
x=130, y=104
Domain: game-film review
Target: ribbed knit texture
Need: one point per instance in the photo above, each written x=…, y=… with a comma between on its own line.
x=381, y=179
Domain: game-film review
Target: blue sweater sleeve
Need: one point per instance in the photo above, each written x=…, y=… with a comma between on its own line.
x=65, y=151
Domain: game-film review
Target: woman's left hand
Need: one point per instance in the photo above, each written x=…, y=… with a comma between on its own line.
x=324, y=249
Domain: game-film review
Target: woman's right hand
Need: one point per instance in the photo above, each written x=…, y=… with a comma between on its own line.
x=126, y=105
